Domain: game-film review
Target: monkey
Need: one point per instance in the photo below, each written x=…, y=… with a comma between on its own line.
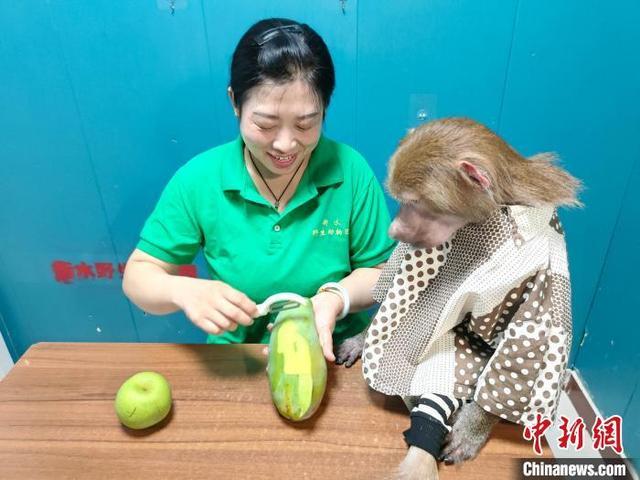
x=474, y=323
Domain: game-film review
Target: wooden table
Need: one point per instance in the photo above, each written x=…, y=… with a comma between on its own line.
x=57, y=420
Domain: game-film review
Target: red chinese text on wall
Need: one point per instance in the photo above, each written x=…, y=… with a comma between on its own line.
x=68, y=272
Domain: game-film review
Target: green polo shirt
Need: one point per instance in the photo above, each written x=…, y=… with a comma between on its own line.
x=336, y=221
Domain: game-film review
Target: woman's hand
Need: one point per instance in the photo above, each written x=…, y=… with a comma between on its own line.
x=326, y=307
x=213, y=306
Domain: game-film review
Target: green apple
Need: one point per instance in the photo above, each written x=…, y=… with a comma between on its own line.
x=143, y=400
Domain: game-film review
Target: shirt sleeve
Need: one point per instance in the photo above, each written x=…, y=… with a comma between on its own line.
x=370, y=244
x=525, y=374
x=172, y=233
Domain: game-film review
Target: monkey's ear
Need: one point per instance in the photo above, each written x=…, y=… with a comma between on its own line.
x=474, y=174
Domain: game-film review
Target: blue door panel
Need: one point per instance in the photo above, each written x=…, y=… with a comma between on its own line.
x=143, y=85
x=573, y=88
x=609, y=358
x=51, y=208
x=421, y=60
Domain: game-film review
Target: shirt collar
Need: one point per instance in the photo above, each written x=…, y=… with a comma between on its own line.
x=528, y=221
x=233, y=168
x=324, y=166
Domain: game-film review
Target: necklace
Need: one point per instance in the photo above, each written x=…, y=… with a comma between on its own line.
x=276, y=198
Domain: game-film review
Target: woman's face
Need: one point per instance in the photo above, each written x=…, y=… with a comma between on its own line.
x=281, y=125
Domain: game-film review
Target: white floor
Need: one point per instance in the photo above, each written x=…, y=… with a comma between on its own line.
x=566, y=408
x=5, y=359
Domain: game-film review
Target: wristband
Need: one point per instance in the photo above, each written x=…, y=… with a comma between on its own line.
x=339, y=290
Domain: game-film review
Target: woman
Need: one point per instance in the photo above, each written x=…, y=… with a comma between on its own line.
x=281, y=208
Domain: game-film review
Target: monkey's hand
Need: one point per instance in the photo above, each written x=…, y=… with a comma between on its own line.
x=417, y=465
x=470, y=432
x=350, y=350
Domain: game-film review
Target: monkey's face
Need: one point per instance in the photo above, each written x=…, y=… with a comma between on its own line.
x=423, y=229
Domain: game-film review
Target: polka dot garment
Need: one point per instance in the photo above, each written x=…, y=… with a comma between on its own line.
x=485, y=316
x=418, y=268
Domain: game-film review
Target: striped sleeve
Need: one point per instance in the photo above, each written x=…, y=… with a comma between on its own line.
x=430, y=419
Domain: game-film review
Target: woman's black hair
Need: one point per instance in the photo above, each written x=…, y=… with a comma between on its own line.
x=278, y=50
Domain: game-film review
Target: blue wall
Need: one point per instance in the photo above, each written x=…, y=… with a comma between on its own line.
x=609, y=358
x=101, y=101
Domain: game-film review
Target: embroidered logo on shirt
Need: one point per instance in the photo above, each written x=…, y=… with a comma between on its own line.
x=330, y=228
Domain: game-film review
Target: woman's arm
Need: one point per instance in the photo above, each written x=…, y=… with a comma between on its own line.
x=328, y=305
x=149, y=282
x=359, y=285
x=154, y=286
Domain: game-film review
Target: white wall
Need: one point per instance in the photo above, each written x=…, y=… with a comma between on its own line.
x=5, y=359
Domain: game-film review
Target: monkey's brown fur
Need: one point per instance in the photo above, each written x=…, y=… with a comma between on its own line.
x=427, y=163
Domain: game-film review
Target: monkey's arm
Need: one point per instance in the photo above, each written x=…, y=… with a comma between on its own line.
x=429, y=421
x=469, y=434
x=349, y=351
